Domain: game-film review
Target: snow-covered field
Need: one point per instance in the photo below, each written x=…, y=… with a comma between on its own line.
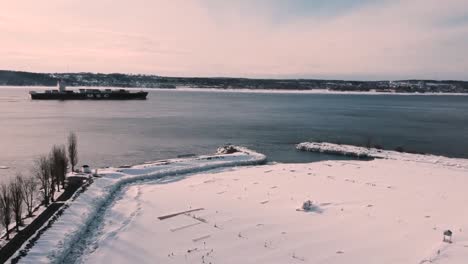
x=59, y=240
x=380, y=211
x=389, y=210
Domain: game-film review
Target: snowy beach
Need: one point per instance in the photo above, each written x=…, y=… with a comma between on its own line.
x=389, y=210
x=380, y=211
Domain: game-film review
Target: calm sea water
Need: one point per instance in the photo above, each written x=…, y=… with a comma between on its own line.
x=172, y=123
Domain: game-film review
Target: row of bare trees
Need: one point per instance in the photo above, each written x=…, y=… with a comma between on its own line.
x=14, y=195
x=50, y=171
x=49, y=175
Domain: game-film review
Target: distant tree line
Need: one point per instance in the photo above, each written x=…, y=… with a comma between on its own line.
x=87, y=79
x=13, y=78
x=21, y=194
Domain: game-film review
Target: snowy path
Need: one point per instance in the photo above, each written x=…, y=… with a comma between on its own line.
x=58, y=241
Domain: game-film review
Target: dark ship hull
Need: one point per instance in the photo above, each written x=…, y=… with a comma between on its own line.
x=89, y=95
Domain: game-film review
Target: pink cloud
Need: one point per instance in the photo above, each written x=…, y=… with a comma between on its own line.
x=186, y=38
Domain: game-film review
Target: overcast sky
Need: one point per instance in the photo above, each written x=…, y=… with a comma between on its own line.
x=347, y=39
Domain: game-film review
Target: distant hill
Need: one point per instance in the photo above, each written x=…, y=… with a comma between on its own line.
x=17, y=78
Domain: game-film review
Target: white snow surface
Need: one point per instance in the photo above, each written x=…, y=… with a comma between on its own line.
x=54, y=244
x=381, y=211
x=349, y=150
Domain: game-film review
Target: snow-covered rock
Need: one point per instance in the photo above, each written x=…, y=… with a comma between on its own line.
x=361, y=152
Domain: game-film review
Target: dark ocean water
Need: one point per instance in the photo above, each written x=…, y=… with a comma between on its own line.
x=172, y=123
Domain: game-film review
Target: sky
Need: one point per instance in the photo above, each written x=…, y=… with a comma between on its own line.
x=331, y=39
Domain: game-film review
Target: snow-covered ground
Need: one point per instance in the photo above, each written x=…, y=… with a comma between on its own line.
x=55, y=244
x=381, y=211
x=388, y=210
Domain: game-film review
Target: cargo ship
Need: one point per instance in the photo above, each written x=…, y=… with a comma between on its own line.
x=61, y=93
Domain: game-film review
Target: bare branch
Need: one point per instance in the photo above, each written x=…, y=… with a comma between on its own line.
x=42, y=173
x=16, y=194
x=59, y=162
x=73, y=150
x=6, y=210
x=29, y=189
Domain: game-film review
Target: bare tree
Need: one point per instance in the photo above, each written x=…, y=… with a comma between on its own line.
x=6, y=210
x=42, y=173
x=72, y=150
x=59, y=162
x=54, y=158
x=53, y=181
x=29, y=189
x=16, y=194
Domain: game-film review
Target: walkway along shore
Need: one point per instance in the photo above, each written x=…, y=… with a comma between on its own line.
x=38, y=224
x=55, y=239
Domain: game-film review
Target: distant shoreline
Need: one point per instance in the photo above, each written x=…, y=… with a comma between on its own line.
x=83, y=79
x=312, y=91
x=246, y=90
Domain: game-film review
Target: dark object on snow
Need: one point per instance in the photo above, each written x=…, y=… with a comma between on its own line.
x=228, y=149
x=179, y=213
x=186, y=155
x=307, y=206
x=447, y=236
x=399, y=149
